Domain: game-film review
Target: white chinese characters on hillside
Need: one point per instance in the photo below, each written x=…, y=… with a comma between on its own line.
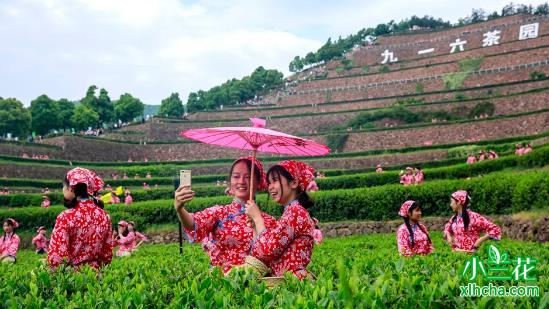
x=458, y=44
x=491, y=38
x=388, y=56
x=529, y=31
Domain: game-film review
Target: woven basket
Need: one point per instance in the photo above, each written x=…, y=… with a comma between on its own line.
x=271, y=282
x=256, y=265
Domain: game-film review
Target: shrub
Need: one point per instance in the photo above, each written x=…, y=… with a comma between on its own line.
x=499, y=193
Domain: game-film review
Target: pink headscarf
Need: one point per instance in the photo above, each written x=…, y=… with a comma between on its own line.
x=403, y=212
x=13, y=222
x=89, y=178
x=301, y=172
x=460, y=196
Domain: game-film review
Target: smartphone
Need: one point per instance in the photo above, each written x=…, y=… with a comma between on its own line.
x=185, y=177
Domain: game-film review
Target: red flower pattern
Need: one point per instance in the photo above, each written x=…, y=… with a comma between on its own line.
x=465, y=239
x=422, y=245
x=288, y=245
x=301, y=172
x=9, y=244
x=127, y=244
x=89, y=178
x=82, y=235
x=41, y=242
x=224, y=233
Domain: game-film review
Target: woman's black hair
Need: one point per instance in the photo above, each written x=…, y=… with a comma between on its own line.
x=409, y=227
x=80, y=191
x=257, y=173
x=464, y=213
x=302, y=197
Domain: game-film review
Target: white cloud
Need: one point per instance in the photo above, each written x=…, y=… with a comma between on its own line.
x=153, y=48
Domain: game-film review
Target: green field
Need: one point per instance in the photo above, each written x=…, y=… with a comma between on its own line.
x=352, y=272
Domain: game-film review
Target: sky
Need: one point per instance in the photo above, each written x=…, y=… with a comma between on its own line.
x=153, y=48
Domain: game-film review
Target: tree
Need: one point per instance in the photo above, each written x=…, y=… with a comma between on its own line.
x=296, y=65
x=102, y=105
x=128, y=107
x=193, y=102
x=310, y=58
x=381, y=29
x=14, y=118
x=105, y=108
x=171, y=106
x=509, y=9
x=477, y=15
x=66, y=110
x=45, y=114
x=542, y=9
x=90, y=97
x=328, y=51
x=84, y=117
x=493, y=15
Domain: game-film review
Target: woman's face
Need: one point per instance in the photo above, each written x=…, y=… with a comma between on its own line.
x=280, y=190
x=8, y=228
x=130, y=228
x=121, y=229
x=455, y=205
x=240, y=182
x=416, y=214
x=68, y=194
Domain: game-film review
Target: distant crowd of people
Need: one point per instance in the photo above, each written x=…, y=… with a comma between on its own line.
x=521, y=149
x=481, y=156
x=412, y=176
x=92, y=132
x=35, y=156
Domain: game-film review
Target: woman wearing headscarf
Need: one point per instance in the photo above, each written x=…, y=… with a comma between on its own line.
x=288, y=246
x=82, y=233
x=9, y=243
x=225, y=230
x=412, y=236
x=464, y=228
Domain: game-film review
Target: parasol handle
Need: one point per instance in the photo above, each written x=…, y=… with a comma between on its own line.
x=252, y=182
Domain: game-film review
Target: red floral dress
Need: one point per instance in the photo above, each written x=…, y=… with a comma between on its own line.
x=289, y=245
x=141, y=237
x=224, y=233
x=127, y=244
x=419, y=177
x=41, y=242
x=82, y=235
x=465, y=239
x=9, y=244
x=422, y=245
x=407, y=179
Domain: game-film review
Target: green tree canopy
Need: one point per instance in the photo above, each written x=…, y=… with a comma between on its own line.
x=45, y=115
x=128, y=107
x=14, y=118
x=235, y=91
x=84, y=117
x=171, y=106
x=66, y=110
x=102, y=104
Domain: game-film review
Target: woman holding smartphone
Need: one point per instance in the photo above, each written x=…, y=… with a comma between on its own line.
x=225, y=228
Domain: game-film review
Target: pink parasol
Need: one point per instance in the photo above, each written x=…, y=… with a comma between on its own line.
x=257, y=138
